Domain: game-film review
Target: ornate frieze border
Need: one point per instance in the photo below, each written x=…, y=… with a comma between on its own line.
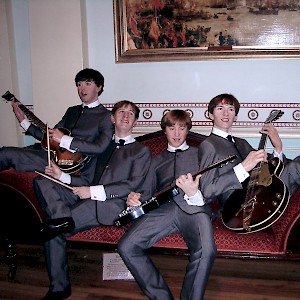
x=251, y=114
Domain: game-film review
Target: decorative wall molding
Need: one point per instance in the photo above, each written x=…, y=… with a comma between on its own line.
x=251, y=117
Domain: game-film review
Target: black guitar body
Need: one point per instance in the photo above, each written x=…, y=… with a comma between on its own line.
x=135, y=212
x=267, y=203
x=264, y=197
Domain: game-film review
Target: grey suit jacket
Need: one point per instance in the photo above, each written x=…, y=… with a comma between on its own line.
x=165, y=169
x=91, y=129
x=124, y=173
x=220, y=182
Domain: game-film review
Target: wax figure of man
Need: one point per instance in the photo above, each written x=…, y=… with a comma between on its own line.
x=221, y=182
x=186, y=213
x=90, y=130
x=124, y=171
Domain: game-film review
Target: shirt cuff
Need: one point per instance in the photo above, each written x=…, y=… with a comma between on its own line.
x=196, y=200
x=65, y=142
x=240, y=173
x=98, y=192
x=279, y=155
x=65, y=178
x=25, y=124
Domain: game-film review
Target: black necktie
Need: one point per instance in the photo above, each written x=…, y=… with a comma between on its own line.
x=121, y=142
x=229, y=138
x=104, y=158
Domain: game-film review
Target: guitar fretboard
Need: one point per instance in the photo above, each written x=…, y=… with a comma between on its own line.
x=32, y=118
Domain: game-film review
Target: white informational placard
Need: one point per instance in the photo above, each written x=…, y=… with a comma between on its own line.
x=114, y=268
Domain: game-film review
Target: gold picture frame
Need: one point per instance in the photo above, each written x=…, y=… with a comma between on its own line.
x=144, y=29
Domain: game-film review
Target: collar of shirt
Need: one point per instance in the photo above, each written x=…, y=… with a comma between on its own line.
x=92, y=105
x=220, y=132
x=128, y=139
x=182, y=147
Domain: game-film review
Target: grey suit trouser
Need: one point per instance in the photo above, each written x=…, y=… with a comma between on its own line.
x=152, y=227
x=25, y=159
x=291, y=175
x=85, y=217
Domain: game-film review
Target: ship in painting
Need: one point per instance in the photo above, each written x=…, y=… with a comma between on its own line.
x=263, y=7
x=229, y=4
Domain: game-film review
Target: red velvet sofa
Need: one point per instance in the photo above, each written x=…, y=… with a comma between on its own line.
x=280, y=240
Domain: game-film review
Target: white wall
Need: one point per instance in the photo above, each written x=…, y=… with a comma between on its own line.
x=249, y=80
x=55, y=38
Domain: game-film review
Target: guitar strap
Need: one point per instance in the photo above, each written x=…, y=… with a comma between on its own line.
x=229, y=138
x=247, y=210
x=101, y=164
x=175, y=156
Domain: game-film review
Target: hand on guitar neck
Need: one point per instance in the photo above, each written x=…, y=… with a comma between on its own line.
x=20, y=115
x=55, y=135
x=269, y=130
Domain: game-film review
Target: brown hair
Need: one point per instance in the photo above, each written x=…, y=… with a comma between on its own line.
x=226, y=99
x=176, y=116
x=125, y=103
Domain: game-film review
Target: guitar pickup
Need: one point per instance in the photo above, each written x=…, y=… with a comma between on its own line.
x=65, y=162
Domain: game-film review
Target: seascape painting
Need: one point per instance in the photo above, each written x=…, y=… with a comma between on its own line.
x=209, y=24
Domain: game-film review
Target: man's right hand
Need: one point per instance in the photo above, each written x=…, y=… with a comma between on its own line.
x=253, y=158
x=133, y=199
x=53, y=170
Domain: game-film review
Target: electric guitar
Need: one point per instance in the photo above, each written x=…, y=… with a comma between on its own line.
x=263, y=200
x=132, y=213
x=66, y=160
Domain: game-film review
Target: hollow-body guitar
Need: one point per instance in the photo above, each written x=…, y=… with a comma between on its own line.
x=264, y=197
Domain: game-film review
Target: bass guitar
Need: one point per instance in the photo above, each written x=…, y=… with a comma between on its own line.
x=263, y=199
x=66, y=160
x=132, y=213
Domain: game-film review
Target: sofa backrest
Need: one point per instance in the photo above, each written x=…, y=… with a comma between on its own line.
x=157, y=141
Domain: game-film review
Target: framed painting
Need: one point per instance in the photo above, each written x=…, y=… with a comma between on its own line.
x=168, y=30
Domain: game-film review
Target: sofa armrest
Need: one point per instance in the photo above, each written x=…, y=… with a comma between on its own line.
x=283, y=227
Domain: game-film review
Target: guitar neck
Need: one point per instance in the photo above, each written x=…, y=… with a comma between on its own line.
x=263, y=141
x=210, y=167
x=31, y=116
x=254, y=174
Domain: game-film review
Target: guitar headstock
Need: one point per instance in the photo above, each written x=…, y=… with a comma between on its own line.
x=8, y=96
x=274, y=115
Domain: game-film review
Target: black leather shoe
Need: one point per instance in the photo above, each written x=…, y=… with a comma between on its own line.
x=58, y=295
x=53, y=227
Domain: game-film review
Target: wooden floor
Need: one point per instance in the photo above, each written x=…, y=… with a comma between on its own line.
x=231, y=279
